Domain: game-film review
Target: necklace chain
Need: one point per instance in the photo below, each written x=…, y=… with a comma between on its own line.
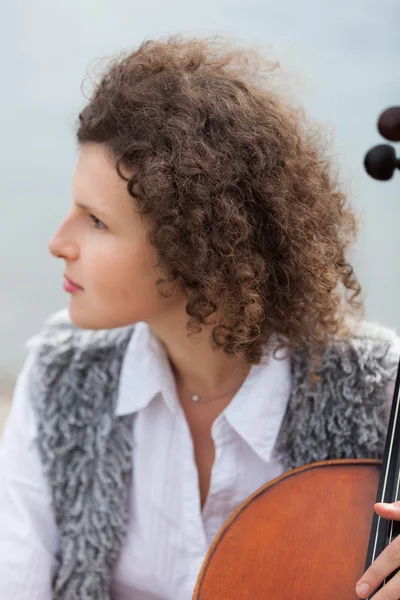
x=197, y=398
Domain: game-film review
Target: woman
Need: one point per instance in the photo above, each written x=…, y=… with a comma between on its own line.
x=208, y=346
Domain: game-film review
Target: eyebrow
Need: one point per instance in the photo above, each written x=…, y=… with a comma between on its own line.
x=92, y=209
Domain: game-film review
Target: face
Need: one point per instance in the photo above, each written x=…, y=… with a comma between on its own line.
x=104, y=244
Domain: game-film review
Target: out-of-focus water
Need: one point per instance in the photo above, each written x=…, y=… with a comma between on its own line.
x=347, y=53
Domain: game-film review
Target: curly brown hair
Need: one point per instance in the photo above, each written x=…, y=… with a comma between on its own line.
x=246, y=213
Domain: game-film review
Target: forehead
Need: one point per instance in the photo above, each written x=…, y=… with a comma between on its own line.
x=96, y=182
x=95, y=169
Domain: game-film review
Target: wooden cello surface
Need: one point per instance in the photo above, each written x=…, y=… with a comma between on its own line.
x=302, y=536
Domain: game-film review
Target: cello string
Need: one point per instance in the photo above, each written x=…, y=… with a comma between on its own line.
x=391, y=526
x=386, y=473
x=396, y=497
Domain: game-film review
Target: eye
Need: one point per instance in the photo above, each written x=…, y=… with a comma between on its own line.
x=97, y=223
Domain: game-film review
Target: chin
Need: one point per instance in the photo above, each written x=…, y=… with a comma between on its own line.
x=86, y=319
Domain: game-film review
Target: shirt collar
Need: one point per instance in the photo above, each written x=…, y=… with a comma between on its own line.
x=145, y=373
x=257, y=410
x=255, y=413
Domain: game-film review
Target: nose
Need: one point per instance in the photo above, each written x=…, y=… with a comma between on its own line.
x=62, y=246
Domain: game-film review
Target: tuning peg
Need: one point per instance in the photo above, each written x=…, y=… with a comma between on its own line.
x=380, y=162
x=389, y=124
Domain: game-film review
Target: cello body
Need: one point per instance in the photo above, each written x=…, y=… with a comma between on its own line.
x=303, y=536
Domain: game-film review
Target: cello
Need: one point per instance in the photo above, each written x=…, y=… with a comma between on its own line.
x=305, y=535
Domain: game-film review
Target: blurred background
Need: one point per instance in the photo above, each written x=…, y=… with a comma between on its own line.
x=347, y=57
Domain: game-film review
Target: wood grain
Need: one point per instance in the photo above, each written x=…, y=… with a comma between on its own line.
x=303, y=536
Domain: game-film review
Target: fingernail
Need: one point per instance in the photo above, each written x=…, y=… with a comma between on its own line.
x=362, y=589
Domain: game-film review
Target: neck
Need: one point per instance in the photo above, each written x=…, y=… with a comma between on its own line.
x=198, y=367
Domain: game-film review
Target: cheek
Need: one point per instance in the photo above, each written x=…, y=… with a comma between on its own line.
x=122, y=288
x=127, y=274
x=133, y=282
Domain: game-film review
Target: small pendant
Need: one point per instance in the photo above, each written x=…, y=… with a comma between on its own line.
x=195, y=398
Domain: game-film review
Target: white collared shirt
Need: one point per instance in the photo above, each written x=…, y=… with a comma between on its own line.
x=168, y=533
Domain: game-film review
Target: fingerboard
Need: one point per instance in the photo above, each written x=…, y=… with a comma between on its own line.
x=382, y=530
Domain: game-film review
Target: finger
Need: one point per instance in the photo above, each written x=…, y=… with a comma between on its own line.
x=388, y=510
x=390, y=591
x=387, y=562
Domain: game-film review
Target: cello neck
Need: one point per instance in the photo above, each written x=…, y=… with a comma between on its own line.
x=383, y=531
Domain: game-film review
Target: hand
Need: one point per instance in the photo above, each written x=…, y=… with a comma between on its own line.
x=387, y=562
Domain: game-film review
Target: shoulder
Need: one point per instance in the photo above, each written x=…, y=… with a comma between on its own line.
x=341, y=414
x=75, y=374
x=361, y=367
x=368, y=344
x=370, y=333
x=59, y=339
x=365, y=345
x=357, y=366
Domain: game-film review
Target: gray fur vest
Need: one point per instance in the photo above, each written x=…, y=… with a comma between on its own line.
x=87, y=452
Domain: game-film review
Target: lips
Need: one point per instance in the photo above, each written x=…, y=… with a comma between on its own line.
x=70, y=285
